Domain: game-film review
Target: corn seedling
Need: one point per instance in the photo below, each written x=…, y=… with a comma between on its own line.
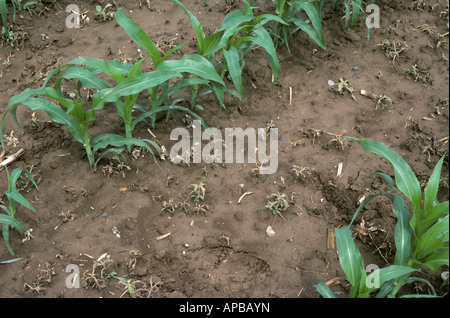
x=14, y=198
x=289, y=12
x=353, y=266
x=239, y=32
x=160, y=91
x=421, y=237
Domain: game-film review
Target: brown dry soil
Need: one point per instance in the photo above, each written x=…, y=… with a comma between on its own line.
x=225, y=251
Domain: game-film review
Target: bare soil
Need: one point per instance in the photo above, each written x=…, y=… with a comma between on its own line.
x=225, y=251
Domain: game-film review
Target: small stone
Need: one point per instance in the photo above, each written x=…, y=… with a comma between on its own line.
x=330, y=83
x=270, y=232
x=355, y=68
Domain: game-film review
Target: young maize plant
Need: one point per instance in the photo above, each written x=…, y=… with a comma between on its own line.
x=421, y=237
x=353, y=10
x=239, y=32
x=193, y=69
x=72, y=111
x=130, y=83
x=289, y=12
x=14, y=197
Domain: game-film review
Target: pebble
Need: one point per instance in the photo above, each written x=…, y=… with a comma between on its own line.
x=330, y=83
x=355, y=68
x=270, y=232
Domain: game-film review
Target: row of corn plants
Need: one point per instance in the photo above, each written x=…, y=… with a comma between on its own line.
x=240, y=32
x=421, y=240
x=421, y=234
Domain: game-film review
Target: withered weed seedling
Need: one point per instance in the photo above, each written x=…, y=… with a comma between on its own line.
x=383, y=101
x=415, y=72
x=344, y=88
x=201, y=208
x=393, y=49
x=301, y=172
x=198, y=193
x=139, y=288
x=278, y=203
x=169, y=206
x=133, y=256
x=101, y=272
x=104, y=14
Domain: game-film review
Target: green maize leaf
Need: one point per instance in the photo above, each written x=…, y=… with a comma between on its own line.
x=5, y=230
x=385, y=288
x=386, y=178
x=95, y=65
x=433, y=238
x=139, y=36
x=315, y=32
x=420, y=296
x=105, y=140
x=55, y=113
x=324, y=290
x=5, y=209
x=124, y=68
x=10, y=221
x=280, y=7
x=436, y=260
x=197, y=28
x=265, y=18
x=30, y=177
x=194, y=64
x=418, y=279
x=264, y=40
x=386, y=274
x=218, y=90
x=132, y=85
x=176, y=48
x=167, y=108
x=404, y=176
x=234, y=67
x=433, y=186
x=211, y=44
x=403, y=231
x=186, y=82
x=3, y=14
x=86, y=77
x=230, y=23
x=356, y=8
x=11, y=261
x=115, y=153
x=367, y=200
x=435, y=213
x=53, y=93
x=12, y=192
x=136, y=66
x=349, y=256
